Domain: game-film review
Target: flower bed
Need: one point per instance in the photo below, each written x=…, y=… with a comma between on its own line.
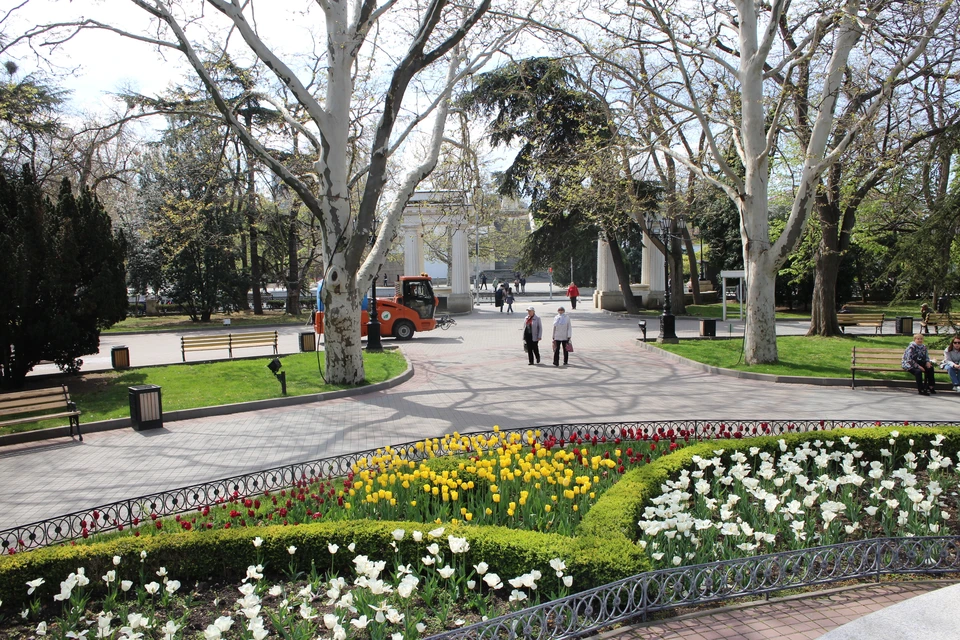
x=522, y=481
x=682, y=500
x=813, y=491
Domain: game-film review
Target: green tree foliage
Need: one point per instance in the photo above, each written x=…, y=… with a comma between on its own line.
x=927, y=260
x=194, y=205
x=567, y=164
x=28, y=116
x=62, y=278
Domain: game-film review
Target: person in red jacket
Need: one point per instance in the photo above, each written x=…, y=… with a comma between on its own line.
x=573, y=293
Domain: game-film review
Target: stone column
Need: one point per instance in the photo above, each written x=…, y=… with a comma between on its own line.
x=652, y=272
x=460, y=299
x=607, y=295
x=412, y=249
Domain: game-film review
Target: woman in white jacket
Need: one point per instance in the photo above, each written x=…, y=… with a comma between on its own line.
x=562, y=333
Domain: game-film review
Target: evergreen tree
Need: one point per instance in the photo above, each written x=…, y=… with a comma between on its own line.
x=62, y=279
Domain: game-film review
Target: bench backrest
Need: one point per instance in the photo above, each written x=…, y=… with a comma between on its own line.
x=211, y=341
x=851, y=318
x=35, y=401
x=870, y=356
x=258, y=337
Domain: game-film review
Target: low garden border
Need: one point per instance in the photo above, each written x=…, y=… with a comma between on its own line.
x=116, y=515
x=665, y=589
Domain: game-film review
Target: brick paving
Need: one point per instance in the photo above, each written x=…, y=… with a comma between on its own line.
x=802, y=617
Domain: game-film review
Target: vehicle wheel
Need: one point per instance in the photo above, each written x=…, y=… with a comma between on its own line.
x=403, y=330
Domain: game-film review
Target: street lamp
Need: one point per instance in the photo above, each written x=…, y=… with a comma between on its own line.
x=661, y=229
x=373, y=321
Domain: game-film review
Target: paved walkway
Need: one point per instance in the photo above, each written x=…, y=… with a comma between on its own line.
x=469, y=378
x=802, y=617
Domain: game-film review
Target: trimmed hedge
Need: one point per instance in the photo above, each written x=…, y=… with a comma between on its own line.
x=224, y=555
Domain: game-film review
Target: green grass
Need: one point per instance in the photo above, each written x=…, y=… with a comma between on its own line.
x=243, y=319
x=103, y=396
x=800, y=355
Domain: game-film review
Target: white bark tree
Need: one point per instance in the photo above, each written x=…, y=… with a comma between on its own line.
x=393, y=44
x=730, y=66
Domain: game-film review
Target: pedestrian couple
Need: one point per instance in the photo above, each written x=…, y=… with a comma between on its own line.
x=533, y=333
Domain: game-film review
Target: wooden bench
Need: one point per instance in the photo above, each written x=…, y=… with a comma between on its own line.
x=228, y=341
x=876, y=359
x=937, y=320
x=861, y=320
x=40, y=404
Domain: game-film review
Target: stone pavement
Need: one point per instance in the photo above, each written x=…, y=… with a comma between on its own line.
x=468, y=378
x=801, y=617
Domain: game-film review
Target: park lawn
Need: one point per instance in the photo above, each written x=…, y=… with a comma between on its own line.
x=145, y=324
x=715, y=310
x=800, y=355
x=104, y=396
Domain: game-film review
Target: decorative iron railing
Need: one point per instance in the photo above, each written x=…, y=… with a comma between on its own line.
x=127, y=513
x=641, y=595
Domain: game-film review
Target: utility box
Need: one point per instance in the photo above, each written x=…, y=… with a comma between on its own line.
x=308, y=341
x=708, y=327
x=146, y=408
x=903, y=325
x=120, y=357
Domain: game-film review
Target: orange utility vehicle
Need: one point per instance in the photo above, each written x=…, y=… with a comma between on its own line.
x=411, y=309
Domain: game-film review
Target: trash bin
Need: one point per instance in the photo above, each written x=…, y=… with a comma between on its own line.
x=943, y=304
x=120, y=357
x=903, y=325
x=308, y=341
x=708, y=327
x=146, y=409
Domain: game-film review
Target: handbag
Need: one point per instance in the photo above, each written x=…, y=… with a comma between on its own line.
x=526, y=346
x=569, y=346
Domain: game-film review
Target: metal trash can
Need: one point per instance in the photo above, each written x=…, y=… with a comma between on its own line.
x=146, y=408
x=903, y=325
x=120, y=357
x=943, y=304
x=708, y=327
x=308, y=341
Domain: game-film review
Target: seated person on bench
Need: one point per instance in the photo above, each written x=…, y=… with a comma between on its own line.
x=916, y=360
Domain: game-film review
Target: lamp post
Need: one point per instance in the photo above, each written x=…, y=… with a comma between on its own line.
x=668, y=322
x=373, y=322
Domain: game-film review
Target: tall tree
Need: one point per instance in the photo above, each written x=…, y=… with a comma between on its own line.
x=420, y=35
x=62, y=279
x=731, y=68
x=195, y=202
x=565, y=140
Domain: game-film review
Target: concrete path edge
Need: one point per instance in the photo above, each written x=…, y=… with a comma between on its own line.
x=204, y=412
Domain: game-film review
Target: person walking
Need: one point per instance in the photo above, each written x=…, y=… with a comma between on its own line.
x=951, y=361
x=498, y=298
x=532, y=333
x=508, y=298
x=523, y=284
x=562, y=333
x=483, y=281
x=917, y=361
x=385, y=280
x=573, y=293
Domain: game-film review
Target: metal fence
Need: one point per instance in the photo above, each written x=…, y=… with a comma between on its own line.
x=639, y=596
x=127, y=513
